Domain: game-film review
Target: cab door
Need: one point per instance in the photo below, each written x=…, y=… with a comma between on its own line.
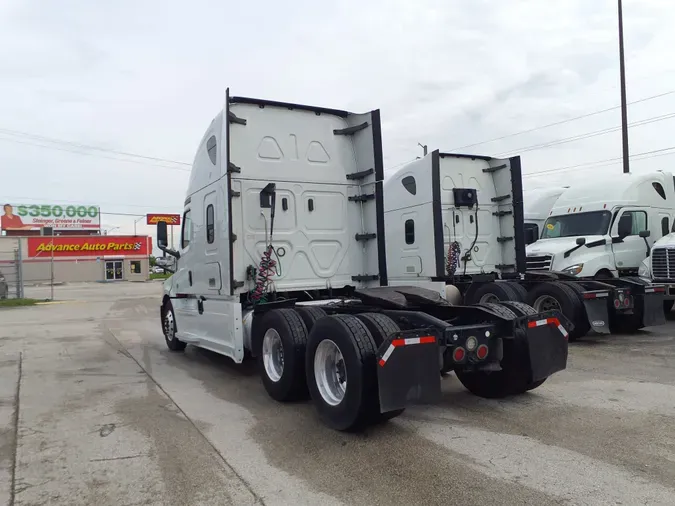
x=628, y=247
x=185, y=301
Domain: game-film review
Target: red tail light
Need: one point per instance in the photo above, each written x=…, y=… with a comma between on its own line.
x=617, y=303
x=626, y=301
x=482, y=352
x=459, y=354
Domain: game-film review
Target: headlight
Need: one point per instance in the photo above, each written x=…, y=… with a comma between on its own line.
x=643, y=270
x=574, y=269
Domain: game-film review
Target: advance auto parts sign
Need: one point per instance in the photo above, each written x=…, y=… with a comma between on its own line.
x=95, y=246
x=170, y=219
x=34, y=217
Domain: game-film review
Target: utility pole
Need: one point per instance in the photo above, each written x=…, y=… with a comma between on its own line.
x=624, y=111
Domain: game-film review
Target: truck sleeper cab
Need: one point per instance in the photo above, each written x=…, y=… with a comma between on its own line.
x=537, y=205
x=282, y=258
x=459, y=219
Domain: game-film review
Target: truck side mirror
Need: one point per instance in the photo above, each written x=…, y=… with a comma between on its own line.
x=581, y=241
x=645, y=233
x=625, y=226
x=162, y=239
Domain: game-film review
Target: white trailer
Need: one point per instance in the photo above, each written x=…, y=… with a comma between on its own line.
x=460, y=219
x=282, y=258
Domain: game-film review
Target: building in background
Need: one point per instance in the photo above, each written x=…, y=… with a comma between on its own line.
x=63, y=243
x=81, y=258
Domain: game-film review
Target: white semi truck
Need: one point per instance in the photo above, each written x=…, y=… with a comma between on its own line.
x=460, y=219
x=659, y=268
x=282, y=257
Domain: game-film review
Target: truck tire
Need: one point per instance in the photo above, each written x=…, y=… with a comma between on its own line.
x=281, y=357
x=169, y=328
x=520, y=291
x=380, y=327
x=341, y=372
x=583, y=323
x=501, y=310
x=491, y=293
x=519, y=308
x=309, y=315
x=557, y=295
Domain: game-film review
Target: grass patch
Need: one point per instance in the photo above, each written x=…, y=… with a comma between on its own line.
x=18, y=302
x=160, y=275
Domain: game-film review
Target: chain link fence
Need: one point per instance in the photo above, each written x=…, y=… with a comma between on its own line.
x=11, y=270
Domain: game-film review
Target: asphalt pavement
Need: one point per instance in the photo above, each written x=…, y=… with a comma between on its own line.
x=94, y=409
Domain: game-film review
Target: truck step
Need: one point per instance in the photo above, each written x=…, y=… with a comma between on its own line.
x=499, y=214
x=500, y=198
x=366, y=277
x=360, y=175
x=365, y=237
x=351, y=130
x=501, y=267
x=504, y=239
x=232, y=168
x=362, y=198
x=495, y=169
x=235, y=119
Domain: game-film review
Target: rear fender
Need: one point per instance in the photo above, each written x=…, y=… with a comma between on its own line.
x=596, y=303
x=546, y=335
x=653, y=305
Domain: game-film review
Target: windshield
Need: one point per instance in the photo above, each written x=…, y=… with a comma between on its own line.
x=579, y=224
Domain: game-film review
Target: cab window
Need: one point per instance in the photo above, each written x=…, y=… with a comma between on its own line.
x=187, y=229
x=632, y=223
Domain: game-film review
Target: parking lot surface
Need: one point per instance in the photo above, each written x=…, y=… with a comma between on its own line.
x=94, y=409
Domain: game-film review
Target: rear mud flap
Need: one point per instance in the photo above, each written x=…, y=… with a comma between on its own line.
x=547, y=340
x=408, y=372
x=653, y=314
x=598, y=315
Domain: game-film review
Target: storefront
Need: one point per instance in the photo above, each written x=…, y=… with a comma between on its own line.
x=84, y=258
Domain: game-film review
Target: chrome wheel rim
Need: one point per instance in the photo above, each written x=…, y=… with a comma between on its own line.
x=546, y=303
x=330, y=372
x=273, y=355
x=489, y=298
x=169, y=327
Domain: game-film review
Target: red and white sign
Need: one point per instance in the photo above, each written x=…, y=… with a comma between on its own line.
x=92, y=246
x=170, y=219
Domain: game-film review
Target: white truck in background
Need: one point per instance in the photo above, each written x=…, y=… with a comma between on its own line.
x=282, y=257
x=460, y=219
x=604, y=229
x=537, y=205
x=659, y=268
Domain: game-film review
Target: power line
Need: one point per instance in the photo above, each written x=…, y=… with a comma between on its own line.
x=586, y=135
x=93, y=154
x=18, y=133
x=563, y=121
x=614, y=160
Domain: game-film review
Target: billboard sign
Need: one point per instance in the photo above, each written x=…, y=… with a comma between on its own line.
x=90, y=246
x=170, y=219
x=59, y=217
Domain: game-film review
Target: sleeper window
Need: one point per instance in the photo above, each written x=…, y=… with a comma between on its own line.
x=212, y=148
x=409, y=232
x=210, y=226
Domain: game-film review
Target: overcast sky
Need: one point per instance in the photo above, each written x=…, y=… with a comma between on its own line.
x=148, y=76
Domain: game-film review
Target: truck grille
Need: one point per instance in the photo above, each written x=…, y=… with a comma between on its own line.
x=663, y=263
x=539, y=263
